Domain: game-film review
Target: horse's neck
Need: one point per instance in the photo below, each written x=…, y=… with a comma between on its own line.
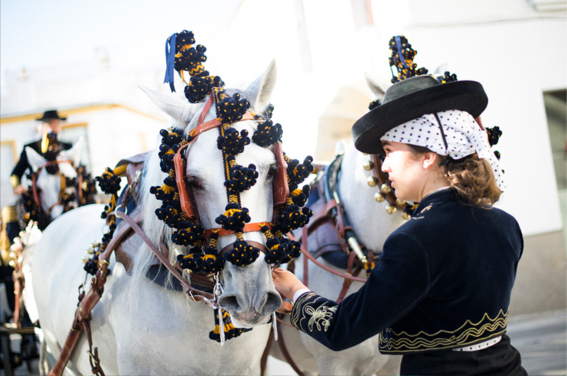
x=369, y=219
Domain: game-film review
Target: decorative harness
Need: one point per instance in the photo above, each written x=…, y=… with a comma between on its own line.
x=289, y=212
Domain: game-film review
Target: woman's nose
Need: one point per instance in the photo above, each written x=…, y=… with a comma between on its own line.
x=385, y=165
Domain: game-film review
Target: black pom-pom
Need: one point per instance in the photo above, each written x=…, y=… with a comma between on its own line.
x=233, y=143
x=267, y=134
x=242, y=178
x=210, y=262
x=91, y=266
x=242, y=254
x=297, y=172
x=109, y=183
x=231, y=109
x=192, y=261
x=233, y=218
x=447, y=77
x=494, y=135
x=293, y=217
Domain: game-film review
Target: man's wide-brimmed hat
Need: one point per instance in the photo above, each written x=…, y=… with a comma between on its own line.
x=51, y=114
x=411, y=98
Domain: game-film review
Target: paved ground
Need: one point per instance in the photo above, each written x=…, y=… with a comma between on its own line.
x=540, y=338
x=542, y=342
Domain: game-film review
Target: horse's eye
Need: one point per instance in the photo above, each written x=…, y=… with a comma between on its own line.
x=272, y=171
x=193, y=183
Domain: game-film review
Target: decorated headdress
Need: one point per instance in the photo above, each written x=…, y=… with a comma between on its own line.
x=187, y=59
x=424, y=103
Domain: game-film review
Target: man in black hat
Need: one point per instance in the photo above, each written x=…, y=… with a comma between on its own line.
x=51, y=122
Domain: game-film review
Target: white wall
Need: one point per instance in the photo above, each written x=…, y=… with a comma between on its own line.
x=517, y=53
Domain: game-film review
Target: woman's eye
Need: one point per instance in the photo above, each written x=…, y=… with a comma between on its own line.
x=272, y=171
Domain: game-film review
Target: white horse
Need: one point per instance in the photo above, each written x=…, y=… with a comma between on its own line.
x=372, y=225
x=48, y=187
x=139, y=327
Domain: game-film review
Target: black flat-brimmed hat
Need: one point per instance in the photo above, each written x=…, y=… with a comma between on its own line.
x=411, y=98
x=51, y=114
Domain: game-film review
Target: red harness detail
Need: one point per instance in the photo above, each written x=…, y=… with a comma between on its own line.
x=279, y=184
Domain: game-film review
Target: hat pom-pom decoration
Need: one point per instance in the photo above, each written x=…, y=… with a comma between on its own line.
x=494, y=135
x=402, y=58
x=374, y=104
x=447, y=77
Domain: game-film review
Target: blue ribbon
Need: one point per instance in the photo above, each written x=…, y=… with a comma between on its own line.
x=170, y=61
x=399, y=45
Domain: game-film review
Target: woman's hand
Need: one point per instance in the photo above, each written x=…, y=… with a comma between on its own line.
x=286, y=283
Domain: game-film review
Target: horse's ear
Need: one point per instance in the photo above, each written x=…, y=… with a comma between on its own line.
x=74, y=153
x=377, y=86
x=179, y=110
x=36, y=160
x=260, y=91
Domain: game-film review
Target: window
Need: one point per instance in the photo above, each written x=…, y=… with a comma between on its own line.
x=556, y=110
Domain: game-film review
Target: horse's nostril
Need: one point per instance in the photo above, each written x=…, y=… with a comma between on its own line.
x=273, y=302
x=230, y=302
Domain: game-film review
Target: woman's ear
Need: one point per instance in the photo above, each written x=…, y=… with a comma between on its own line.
x=430, y=160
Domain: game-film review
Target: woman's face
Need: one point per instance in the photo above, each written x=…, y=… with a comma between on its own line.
x=405, y=171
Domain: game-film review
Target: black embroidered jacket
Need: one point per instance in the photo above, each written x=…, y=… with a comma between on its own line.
x=23, y=164
x=443, y=281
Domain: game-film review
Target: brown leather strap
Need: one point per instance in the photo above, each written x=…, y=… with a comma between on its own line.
x=279, y=183
x=307, y=255
x=93, y=355
x=264, y=359
x=34, y=187
x=187, y=288
x=305, y=247
x=249, y=227
x=285, y=352
x=83, y=313
x=347, y=282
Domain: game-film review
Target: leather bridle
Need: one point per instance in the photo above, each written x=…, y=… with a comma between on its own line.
x=61, y=189
x=280, y=185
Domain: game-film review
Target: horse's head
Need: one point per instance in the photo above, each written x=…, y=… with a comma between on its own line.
x=248, y=291
x=49, y=184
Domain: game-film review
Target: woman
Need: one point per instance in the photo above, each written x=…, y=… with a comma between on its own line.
x=440, y=293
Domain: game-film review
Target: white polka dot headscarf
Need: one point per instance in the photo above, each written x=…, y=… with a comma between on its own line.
x=452, y=133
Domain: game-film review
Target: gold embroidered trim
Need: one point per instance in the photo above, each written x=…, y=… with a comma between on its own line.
x=462, y=336
x=318, y=317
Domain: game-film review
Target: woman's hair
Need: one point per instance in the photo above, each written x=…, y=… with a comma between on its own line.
x=470, y=176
